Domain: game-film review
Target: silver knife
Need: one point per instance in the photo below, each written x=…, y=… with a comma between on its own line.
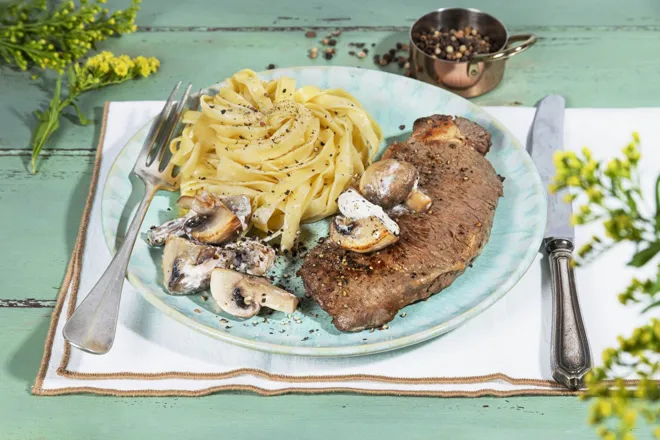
x=571, y=357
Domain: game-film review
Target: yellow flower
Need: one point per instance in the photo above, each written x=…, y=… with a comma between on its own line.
x=576, y=220
x=585, y=249
x=635, y=136
x=573, y=181
x=629, y=417
x=568, y=198
x=588, y=171
x=632, y=153
x=606, y=408
x=585, y=209
x=595, y=195
x=104, y=67
x=121, y=69
x=586, y=152
x=558, y=159
x=552, y=188
x=155, y=64
x=144, y=70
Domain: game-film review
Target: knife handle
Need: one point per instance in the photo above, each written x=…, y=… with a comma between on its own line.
x=571, y=357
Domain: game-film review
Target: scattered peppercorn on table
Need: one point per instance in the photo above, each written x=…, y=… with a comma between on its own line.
x=596, y=54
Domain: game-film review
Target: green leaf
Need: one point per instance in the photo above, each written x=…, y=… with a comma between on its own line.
x=81, y=116
x=48, y=123
x=644, y=256
x=655, y=287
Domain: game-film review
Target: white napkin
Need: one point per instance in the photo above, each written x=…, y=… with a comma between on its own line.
x=503, y=351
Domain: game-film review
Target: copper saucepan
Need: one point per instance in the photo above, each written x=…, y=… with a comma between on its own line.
x=466, y=78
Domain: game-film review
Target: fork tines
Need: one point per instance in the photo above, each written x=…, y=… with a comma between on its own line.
x=162, y=131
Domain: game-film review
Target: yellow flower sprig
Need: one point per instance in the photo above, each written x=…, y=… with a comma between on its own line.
x=33, y=35
x=617, y=182
x=636, y=354
x=99, y=71
x=611, y=195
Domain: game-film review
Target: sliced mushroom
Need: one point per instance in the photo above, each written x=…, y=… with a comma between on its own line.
x=203, y=203
x=215, y=227
x=247, y=255
x=157, y=235
x=365, y=227
x=388, y=182
x=186, y=265
x=356, y=207
x=206, y=203
x=218, y=218
x=418, y=201
x=363, y=235
x=241, y=207
x=243, y=295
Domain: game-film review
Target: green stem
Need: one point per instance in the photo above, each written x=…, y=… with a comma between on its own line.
x=22, y=48
x=657, y=205
x=51, y=127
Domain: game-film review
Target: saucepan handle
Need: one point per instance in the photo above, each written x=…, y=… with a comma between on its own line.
x=528, y=40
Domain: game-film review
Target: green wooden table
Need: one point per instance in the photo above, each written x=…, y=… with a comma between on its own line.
x=596, y=53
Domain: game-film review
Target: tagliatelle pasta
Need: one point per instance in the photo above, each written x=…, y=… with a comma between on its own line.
x=292, y=151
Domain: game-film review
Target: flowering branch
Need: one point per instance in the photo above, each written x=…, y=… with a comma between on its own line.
x=31, y=35
x=99, y=71
x=613, y=197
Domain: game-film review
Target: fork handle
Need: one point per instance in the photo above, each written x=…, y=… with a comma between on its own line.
x=92, y=325
x=571, y=357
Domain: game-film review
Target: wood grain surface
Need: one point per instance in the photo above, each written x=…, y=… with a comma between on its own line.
x=596, y=53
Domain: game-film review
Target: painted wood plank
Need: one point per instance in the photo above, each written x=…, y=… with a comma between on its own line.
x=375, y=12
x=27, y=303
x=39, y=223
x=591, y=67
x=245, y=416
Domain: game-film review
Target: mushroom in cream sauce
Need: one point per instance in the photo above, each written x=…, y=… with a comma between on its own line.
x=364, y=227
x=243, y=295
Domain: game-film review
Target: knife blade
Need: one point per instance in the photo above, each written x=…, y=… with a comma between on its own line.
x=570, y=353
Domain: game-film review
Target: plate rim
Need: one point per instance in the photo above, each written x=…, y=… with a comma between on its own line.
x=354, y=350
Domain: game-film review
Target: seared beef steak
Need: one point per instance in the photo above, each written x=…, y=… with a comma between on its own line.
x=367, y=290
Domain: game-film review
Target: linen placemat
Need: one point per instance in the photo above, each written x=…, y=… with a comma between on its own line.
x=504, y=351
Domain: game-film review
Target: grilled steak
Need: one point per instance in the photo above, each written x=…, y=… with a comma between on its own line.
x=364, y=291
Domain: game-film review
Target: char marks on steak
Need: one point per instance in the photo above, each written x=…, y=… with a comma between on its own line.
x=364, y=291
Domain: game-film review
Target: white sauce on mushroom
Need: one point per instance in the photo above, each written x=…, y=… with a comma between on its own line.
x=354, y=206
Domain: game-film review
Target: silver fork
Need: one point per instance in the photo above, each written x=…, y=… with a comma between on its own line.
x=92, y=326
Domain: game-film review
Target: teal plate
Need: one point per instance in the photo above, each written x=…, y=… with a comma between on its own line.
x=393, y=101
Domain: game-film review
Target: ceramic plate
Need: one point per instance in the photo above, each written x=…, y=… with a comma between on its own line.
x=393, y=101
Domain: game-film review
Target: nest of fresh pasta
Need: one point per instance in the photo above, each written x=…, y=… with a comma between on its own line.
x=291, y=151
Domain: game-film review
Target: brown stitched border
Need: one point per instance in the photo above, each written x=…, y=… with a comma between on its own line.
x=72, y=279
x=282, y=391
x=325, y=378
x=73, y=268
